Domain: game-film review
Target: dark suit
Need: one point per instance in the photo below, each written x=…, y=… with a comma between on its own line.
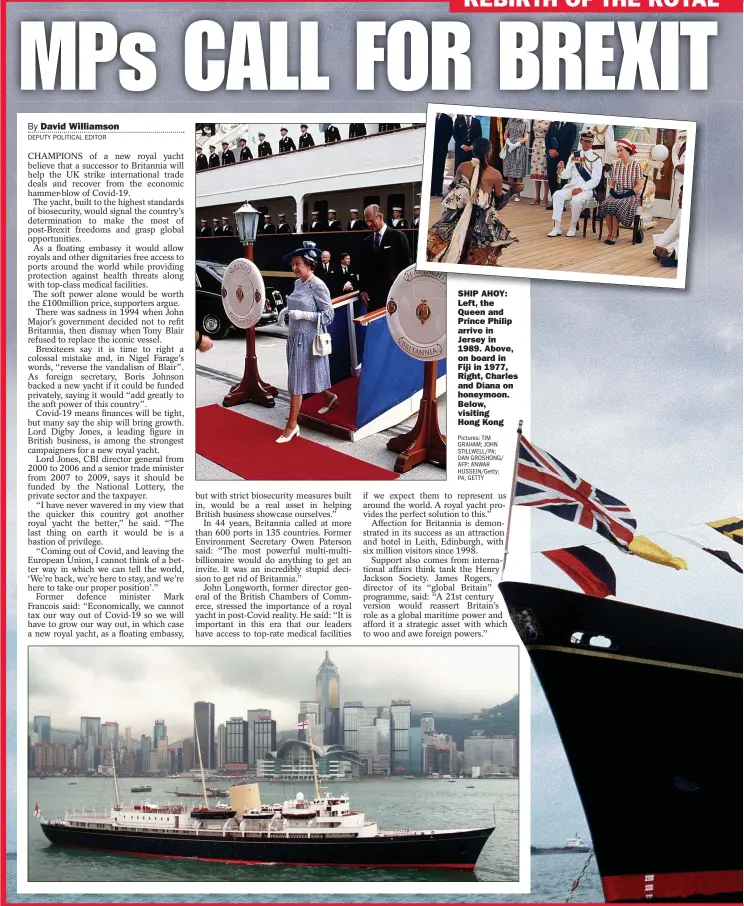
x=269, y=228
x=389, y=127
x=225, y=230
x=442, y=136
x=402, y=224
x=561, y=137
x=380, y=265
x=319, y=225
x=284, y=228
x=334, y=225
x=286, y=144
x=264, y=149
x=246, y=153
x=357, y=130
x=332, y=135
x=356, y=225
x=214, y=160
x=227, y=158
x=201, y=162
x=205, y=231
x=306, y=140
x=465, y=136
x=343, y=276
x=415, y=222
x=326, y=273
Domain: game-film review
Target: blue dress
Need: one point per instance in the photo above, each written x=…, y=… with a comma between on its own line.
x=308, y=373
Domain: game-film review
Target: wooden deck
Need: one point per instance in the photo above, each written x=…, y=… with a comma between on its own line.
x=535, y=251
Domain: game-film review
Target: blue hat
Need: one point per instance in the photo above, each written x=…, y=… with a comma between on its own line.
x=309, y=251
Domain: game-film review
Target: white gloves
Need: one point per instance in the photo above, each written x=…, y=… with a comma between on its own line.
x=303, y=316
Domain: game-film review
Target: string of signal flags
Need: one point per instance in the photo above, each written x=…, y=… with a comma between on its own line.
x=544, y=482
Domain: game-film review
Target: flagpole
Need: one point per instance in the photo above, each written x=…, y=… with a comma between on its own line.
x=511, y=496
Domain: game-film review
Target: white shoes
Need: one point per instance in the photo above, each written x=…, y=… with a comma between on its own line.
x=572, y=230
x=332, y=405
x=556, y=231
x=295, y=432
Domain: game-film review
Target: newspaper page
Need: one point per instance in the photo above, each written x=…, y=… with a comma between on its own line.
x=280, y=622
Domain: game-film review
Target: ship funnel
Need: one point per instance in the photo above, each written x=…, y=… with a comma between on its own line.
x=245, y=796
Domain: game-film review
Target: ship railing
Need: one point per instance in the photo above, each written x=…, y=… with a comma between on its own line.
x=76, y=814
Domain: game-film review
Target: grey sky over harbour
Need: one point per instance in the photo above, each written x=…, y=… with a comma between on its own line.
x=134, y=686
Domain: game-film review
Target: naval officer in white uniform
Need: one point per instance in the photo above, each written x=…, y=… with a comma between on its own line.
x=583, y=172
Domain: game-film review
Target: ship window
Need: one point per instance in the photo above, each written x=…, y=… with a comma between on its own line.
x=577, y=638
x=600, y=641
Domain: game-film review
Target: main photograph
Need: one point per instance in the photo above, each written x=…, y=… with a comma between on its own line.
x=320, y=347
x=354, y=758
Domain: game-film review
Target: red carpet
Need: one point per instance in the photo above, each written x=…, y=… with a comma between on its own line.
x=343, y=415
x=247, y=447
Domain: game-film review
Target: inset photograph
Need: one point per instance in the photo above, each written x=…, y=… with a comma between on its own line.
x=345, y=759
x=302, y=372
x=557, y=196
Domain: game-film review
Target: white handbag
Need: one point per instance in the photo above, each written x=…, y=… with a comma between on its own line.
x=502, y=153
x=322, y=341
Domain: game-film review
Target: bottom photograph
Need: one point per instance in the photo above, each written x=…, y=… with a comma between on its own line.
x=288, y=763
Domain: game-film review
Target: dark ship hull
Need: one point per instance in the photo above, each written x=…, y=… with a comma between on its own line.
x=414, y=849
x=648, y=705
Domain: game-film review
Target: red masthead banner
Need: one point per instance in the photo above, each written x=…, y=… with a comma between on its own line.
x=596, y=6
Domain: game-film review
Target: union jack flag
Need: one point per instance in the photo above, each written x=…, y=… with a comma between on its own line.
x=544, y=482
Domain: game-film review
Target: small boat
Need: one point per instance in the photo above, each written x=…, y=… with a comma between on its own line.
x=573, y=845
x=142, y=788
x=72, y=783
x=451, y=781
x=470, y=787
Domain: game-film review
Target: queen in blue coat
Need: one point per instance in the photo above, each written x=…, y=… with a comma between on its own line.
x=309, y=311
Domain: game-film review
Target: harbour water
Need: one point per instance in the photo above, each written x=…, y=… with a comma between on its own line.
x=393, y=804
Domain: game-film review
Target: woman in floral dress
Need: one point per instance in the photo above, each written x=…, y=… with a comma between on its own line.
x=624, y=194
x=539, y=165
x=516, y=159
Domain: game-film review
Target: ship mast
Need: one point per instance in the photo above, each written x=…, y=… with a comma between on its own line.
x=201, y=766
x=312, y=759
x=116, y=785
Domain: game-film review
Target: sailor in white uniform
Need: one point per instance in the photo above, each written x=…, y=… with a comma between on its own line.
x=583, y=172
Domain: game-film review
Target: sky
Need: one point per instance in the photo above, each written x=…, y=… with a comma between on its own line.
x=134, y=686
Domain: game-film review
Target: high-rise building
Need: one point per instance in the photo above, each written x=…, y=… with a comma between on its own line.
x=43, y=727
x=253, y=715
x=309, y=711
x=128, y=739
x=328, y=696
x=90, y=734
x=400, y=736
x=163, y=754
x=204, y=734
x=145, y=747
x=158, y=730
x=110, y=735
x=264, y=737
x=427, y=722
x=187, y=759
x=236, y=741
x=492, y=754
x=221, y=746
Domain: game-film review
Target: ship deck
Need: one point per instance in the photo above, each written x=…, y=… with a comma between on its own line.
x=531, y=224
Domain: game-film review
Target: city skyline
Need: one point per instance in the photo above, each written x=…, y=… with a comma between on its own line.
x=477, y=678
